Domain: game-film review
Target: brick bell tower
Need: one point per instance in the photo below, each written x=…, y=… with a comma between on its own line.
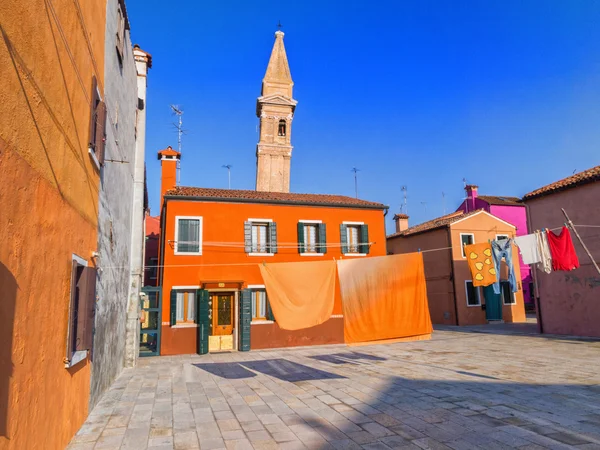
x=275, y=108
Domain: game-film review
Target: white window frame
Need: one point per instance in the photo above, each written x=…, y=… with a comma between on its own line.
x=504, y=235
x=200, y=231
x=253, y=220
x=462, y=247
x=79, y=355
x=512, y=294
x=353, y=223
x=477, y=290
x=311, y=222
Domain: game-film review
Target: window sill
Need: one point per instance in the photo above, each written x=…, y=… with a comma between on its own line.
x=261, y=254
x=312, y=254
x=189, y=253
x=94, y=158
x=474, y=306
x=261, y=322
x=355, y=254
x=79, y=356
x=185, y=325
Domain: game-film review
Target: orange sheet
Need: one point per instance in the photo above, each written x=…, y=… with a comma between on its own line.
x=301, y=294
x=384, y=297
x=481, y=264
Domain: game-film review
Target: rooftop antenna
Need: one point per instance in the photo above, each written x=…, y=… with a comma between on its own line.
x=444, y=202
x=354, y=169
x=425, y=206
x=178, y=111
x=228, y=167
x=279, y=25
x=405, y=211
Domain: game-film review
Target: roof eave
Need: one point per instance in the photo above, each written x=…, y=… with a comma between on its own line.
x=277, y=202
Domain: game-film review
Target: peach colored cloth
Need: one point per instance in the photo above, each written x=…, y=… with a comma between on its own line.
x=301, y=294
x=384, y=297
x=481, y=264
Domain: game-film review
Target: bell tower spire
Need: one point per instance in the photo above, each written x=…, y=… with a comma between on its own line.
x=275, y=108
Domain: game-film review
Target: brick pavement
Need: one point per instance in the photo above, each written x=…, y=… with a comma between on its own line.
x=458, y=391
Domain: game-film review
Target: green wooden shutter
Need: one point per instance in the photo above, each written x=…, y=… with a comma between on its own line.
x=245, y=319
x=364, y=239
x=273, y=237
x=322, y=238
x=301, y=246
x=173, y=311
x=203, y=320
x=270, y=315
x=248, y=237
x=344, y=238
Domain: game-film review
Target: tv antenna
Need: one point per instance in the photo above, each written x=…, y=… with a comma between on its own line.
x=354, y=169
x=178, y=111
x=405, y=209
x=228, y=167
x=444, y=202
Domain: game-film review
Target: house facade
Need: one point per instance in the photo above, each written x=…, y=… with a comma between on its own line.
x=452, y=298
x=67, y=72
x=511, y=210
x=568, y=301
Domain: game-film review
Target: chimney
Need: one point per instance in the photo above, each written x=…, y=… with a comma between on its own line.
x=471, y=190
x=168, y=161
x=401, y=222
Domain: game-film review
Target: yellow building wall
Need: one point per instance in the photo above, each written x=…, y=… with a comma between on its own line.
x=49, y=52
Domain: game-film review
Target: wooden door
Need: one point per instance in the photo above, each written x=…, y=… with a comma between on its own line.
x=222, y=304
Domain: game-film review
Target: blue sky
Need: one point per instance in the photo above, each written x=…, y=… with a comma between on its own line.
x=419, y=93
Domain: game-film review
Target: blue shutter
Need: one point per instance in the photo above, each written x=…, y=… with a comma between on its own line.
x=364, y=239
x=248, y=237
x=344, y=238
x=301, y=246
x=245, y=319
x=173, y=311
x=203, y=320
x=272, y=237
x=322, y=239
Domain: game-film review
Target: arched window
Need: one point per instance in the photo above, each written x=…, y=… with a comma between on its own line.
x=281, y=130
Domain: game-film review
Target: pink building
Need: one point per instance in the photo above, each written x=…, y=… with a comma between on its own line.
x=511, y=210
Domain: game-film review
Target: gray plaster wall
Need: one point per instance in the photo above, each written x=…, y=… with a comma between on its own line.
x=114, y=212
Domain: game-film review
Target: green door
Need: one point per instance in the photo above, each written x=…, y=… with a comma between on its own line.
x=245, y=319
x=493, y=304
x=203, y=319
x=150, y=305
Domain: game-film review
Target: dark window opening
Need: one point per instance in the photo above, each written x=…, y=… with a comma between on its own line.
x=281, y=131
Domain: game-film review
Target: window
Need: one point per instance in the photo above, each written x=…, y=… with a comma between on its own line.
x=466, y=239
x=500, y=237
x=188, y=235
x=281, y=130
x=153, y=268
x=186, y=306
x=508, y=298
x=311, y=238
x=82, y=310
x=473, y=294
x=354, y=238
x=120, y=44
x=97, y=133
x=259, y=305
x=260, y=237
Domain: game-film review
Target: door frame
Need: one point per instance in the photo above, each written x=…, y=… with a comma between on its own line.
x=158, y=290
x=236, y=300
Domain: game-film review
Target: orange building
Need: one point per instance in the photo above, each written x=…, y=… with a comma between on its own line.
x=212, y=242
x=452, y=298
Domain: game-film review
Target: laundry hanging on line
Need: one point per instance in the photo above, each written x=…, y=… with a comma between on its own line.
x=529, y=248
x=301, y=294
x=545, y=264
x=562, y=250
x=481, y=263
x=504, y=249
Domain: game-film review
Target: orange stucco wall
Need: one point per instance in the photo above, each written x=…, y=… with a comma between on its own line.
x=48, y=211
x=224, y=222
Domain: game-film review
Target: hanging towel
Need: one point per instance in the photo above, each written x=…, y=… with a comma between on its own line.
x=301, y=294
x=545, y=264
x=384, y=297
x=481, y=264
x=528, y=247
x=562, y=250
x=503, y=249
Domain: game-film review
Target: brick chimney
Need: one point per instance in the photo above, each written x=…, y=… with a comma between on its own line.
x=471, y=191
x=401, y=222
x=168, y=161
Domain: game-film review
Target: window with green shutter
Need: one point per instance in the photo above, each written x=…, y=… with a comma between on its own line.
x=188, y=235
x=355, y=238
x=260, y=236
x=311, y=237
x=245, y=319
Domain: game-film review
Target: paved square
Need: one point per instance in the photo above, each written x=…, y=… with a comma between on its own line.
x=461, y=390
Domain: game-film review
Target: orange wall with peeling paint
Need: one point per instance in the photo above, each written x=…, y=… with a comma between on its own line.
x=49, y=52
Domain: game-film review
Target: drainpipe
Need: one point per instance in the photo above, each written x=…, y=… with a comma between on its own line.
x=452, y=276
x=538, y=309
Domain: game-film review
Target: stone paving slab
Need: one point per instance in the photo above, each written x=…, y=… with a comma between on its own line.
x=461, y=390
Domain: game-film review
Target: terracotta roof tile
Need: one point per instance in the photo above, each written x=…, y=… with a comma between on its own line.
x=498, y=200
x=272, y=197
x=400, y=216
x=439, y=222
x=587, y=176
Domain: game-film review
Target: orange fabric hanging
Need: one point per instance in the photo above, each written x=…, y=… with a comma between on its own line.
x=481, y=263
x=384, y=297
x=301, y=294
